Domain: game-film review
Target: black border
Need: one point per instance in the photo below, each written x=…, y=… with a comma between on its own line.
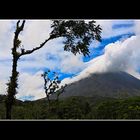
x=71, y=10
x=118, y=126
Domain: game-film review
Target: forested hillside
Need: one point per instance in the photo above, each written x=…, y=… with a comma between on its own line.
x=75, y=108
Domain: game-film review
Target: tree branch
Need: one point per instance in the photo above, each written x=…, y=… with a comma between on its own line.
x=18, y=30
x=34, y=49
x=18, y=24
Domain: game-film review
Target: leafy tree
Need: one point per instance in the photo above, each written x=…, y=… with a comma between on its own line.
x=52, y=85
x=78, y=35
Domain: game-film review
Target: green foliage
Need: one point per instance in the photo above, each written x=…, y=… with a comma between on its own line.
x=118, y=109
x=78, y=34
x=52, y=84
x=75, y=108
x=17, y=43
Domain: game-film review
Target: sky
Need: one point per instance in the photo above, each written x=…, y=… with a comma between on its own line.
x=118, y=51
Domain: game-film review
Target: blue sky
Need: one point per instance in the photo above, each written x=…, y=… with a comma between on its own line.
x=119, y=50
x=100, y=49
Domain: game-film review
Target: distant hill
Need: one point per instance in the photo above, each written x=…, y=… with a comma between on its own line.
x=75, y=108
x=111, y=84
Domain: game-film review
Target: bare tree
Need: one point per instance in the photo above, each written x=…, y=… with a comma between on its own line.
x=52, y=85
x=78, y=35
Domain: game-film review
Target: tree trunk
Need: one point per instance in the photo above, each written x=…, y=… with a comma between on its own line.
x=8, y=110
x=48, y=101
x=12, y=85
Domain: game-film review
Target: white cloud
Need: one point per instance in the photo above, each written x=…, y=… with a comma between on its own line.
x=35, y=32
x=31, y=85
x=137, y=27
x=71, y=63
x=3, y=86
x=5, y=39
x=54, y=57
x=5, y=73
x=108, y=31
x=118, y=56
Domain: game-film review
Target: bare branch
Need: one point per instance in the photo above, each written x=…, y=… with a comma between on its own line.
x=19, y=28
x=34, y=49
x=18, y=23
x=17, y=32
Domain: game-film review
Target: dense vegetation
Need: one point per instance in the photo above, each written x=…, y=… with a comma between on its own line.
x=75, y=108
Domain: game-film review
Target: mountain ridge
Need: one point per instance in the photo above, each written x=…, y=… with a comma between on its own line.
x=109, y=84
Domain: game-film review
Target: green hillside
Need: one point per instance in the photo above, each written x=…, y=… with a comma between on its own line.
x=75, y=108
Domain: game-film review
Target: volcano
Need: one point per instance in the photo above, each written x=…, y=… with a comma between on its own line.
x=110, y=84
